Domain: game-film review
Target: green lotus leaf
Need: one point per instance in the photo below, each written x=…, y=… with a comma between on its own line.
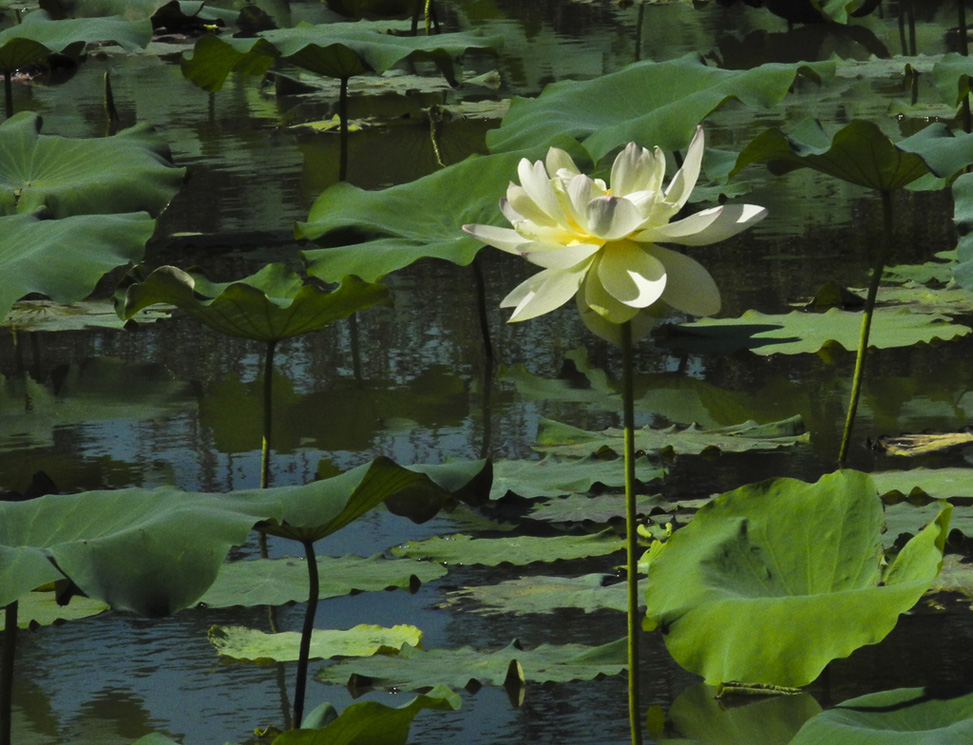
x=799, y=332
x=154, y=551
x=951, y=75
x=368, y=722
x=703, y=719
x=38, y=35
x=43, y=609
x=337, y=50
x=652, y=103
x=931, y=483
x=861, y=153
x=552, y=477
x=904, y=716
x=772, y=581
x=273, y=304
x=963, y=219
x=64, y=259
x=364, y=640
x=537, y=594
x=601, y=509
x=567, y=441
x=414, y=669
x=48, y=316
x=464, y=550
x=281, y=581
x=939, y=271
x=373, y=233
x=129, y=172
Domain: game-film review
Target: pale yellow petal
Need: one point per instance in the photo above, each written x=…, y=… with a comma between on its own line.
x=631, y=274
x=503, y=238
x=641, y=323
x=684, y=181
x=560, y=257
x=708, y=226
x=542, y=293
x=537, y=185
x=637, y=169
x=599, y=300
x=611, y=218
x=689, y=287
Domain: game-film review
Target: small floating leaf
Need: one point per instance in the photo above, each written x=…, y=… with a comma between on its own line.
x=364, y=640
x=460, y=550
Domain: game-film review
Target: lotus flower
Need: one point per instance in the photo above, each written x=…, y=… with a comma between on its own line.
x=600, y=242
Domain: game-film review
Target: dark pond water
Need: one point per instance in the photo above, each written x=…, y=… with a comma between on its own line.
x=177, y=404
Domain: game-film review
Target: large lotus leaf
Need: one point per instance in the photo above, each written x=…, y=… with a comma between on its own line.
x=552, y=477
x=951, y=74
x=963, y=219
x=273, y=304
x=38, y=35
x=772, y=581
x=337, y=50
x=698, y=717
x=372, y=233
x=364, y=640
x=464, y=550
x=154, y=551
x=565, y=440
x=861, y=153
x=64, y=259
x=368, y=722
x=536, y=594
x=934, y=483
x=904, y=716
x=129, y=172
x=281, y=581
x=652, y=103
x=800, y=332
x=414, y=669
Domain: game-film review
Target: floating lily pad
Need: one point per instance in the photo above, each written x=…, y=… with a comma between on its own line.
x=463, y=550
x=131, y=171
x=599, y=510
x=364, y=640
x=415, y=669
x=551, y=477
x=41, y=608
x=652, y=103
x=905, y=716
x=772, y=581
x=913, y=445
x=931, y=483
x=538, y=594
x=46, y=315
x=800, y=333
x=564, y=440
x=280, y=581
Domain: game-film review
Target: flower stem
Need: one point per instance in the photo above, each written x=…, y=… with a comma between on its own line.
x=305, y=650
x=877, y=270
x=631, y=567
x=7, y=672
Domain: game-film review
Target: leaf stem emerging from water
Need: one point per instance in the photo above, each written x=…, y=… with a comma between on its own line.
x=305, y=651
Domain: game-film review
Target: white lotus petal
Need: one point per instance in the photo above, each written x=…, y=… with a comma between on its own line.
x=708, y=226
x=560, y=257
x=579, y=192
x=503, y=238
x=522, y=204
x=537, y=184
x=542, y=293
x=641, y=324
x=689, y=287
x=637, y=169
x=631, y=274
x=612, y=218
x=685, y=179
x=557, y=161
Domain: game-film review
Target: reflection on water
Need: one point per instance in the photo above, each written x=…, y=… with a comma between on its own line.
x=177, y=404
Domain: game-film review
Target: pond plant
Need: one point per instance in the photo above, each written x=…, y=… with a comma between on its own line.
x=597, y=242
x=763, y=588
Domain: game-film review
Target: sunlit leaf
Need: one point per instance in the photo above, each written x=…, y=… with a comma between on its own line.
x=799, y=332
x=652, y=103
x=371, y=723
x=934, y=483
x=905, y=716
x=129, y=172
x=280, y=581
x=273, y=304
x=414, y=669
x=64, y=259
x=772, y=581
x=373, y=233
x=463, y=550
x=364, y=640
x=564, y=440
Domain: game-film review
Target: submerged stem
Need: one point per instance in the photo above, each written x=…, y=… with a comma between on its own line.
x=305, y=651
x=877, y=270
x=7, y=672
x=631, y=565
